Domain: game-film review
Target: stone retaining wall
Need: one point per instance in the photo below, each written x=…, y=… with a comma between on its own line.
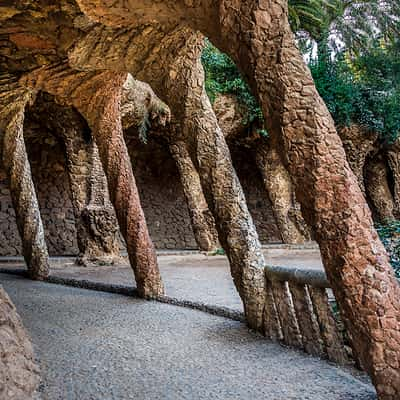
x=160, y=190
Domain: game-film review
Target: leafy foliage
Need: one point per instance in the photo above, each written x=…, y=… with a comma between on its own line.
x=223, y=77
x=351, y=25
x=360, y=83
x=389, y=233
x=365, y=91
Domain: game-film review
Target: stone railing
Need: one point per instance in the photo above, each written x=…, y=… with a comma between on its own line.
x=300, y=313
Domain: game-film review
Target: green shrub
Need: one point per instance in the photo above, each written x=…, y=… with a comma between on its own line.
x=365, y=90
x=223, y=77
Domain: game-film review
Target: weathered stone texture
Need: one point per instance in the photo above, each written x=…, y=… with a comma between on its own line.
x=164, y=205
x=13, y=101
x=257, y=35
x=257, y=199
x=378, y=190
x=161, y=194
x=19, y=374
x=358, y=143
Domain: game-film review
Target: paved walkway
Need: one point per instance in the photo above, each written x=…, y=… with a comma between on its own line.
x=194, y=277
x=101, y=346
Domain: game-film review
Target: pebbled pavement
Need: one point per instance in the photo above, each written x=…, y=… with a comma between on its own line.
x=101, y=346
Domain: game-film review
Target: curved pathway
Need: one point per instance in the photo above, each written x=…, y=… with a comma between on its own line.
x=101, y=346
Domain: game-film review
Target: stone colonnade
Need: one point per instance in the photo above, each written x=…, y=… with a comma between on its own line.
x=256, y=34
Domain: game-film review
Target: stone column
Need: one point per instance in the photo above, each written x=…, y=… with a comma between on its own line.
x=103, y=114
x=393, y=156
x=203, y=223
x=95, y=220
x=378, y=190
x=192, y=112
x=279, y=187
x=13, y=100
x=97, y=96
x=258, y=36
x=358, y=144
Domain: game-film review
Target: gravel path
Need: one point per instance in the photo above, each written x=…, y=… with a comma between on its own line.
x=100, y=346
x=195, y=277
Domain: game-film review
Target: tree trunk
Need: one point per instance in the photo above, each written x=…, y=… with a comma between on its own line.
x=258, y=36
x=378, y=190
x=203, y=223
x=19, y=374
x=278, y=185
x=13, y=101
x=97, y=97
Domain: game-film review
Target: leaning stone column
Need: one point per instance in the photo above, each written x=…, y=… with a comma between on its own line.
x=13, y=100
x=97, y=95
x=227, y=202
x=103, y=114
x=279, y=187
x=203, y=223
x=193, y=113
x=378, y=190
x=95, y=220
x=258, y=36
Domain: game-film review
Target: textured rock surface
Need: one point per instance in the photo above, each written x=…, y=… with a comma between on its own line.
x=257, y=36
x=95, y=221
x=164, y=205
x=378, y=189
x=19, y=374
x=230, y=114
x=358, y=144
x=279, y=187
x=232, y=117
x=14, y=158
x=97, y=96
x=393, y=157
x=203, y=222
x=122, y=350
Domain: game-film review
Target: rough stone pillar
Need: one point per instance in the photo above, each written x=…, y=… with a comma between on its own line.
x=358, y=144
x=104, y=117
x=378, y=190
x=258, y=36
x=13, y=101
x=97, y=96
x=95, y=220
x=19, y=374
x=279, y=187
x=203, y=223
x=393, y=157
x=198, y=127
x=227, y=202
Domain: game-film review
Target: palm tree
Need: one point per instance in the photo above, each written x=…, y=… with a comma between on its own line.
x=354, y=25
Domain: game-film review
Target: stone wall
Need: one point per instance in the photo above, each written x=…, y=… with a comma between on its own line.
x=51, y=182
x=162, y=196
x=160, y=190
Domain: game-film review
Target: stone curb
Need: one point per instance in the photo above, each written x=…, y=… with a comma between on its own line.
x=132, y=292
